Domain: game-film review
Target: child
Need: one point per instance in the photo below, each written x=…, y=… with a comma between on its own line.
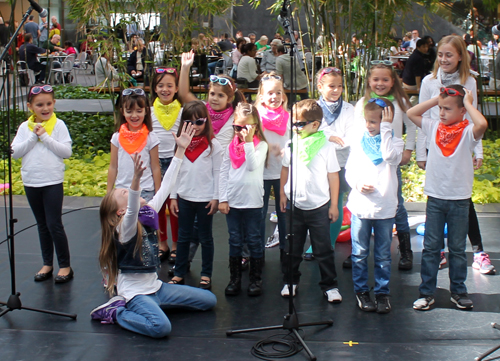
x=451, y=68
x=196, y=194
x=165, y=113
x=337, y=124
x=129, y=255
x=272, y=105
x=382, y=81
x=43, y=141
x=241, y=196
x=134, y=136
x=373, y=201
x=316, y=188
x=448, y=185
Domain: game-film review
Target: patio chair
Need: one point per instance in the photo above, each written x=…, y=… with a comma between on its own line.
x=26, y=75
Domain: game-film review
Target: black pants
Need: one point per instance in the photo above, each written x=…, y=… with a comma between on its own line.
x=39, y=67
x=46, y=204
x=318, y=224
x=474, y=233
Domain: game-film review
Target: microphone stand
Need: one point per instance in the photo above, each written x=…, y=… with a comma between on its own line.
x=291, y=320
x=14, y=301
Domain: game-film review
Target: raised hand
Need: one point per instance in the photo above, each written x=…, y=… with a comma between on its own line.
x=187, y=59
x=248, y=133
x=184, y=139
x=387, y=115
x=468, y=98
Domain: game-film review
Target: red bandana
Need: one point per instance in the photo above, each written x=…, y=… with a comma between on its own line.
x=133, y=142
x=237, y=151
x=196, y=147
x=448, y=136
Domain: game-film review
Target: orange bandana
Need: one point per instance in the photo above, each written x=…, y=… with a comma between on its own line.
x=133, y=141
x=448, y=136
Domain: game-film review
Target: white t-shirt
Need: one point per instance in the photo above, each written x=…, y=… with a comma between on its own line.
x=199, y=181
x=449, y=177
x=126, y=164
x=243, y=187
x=342, y=127
x=383, y=202
x=165, y=137
x=247, y=68
x=42, y=163
x=311, y=186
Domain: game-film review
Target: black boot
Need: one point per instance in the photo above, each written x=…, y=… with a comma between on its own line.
x=255, y=286
x=234, y=286
x=406, y=260
x=347, y=263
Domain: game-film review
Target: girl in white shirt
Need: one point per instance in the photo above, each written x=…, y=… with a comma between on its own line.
x=241, y=196
x=196, y=193
x=43, y=141
x=129, y=256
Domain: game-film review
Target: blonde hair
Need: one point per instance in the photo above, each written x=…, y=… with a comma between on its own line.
x=247, y=110
x=260, y=93
x=463, y=65
x=397, y=89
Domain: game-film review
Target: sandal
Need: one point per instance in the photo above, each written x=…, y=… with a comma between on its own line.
x=205, y=284
x=177, y=282
x=164, y=255
x=173, y=256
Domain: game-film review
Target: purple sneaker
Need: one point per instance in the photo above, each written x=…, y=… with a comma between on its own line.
x=106, y=313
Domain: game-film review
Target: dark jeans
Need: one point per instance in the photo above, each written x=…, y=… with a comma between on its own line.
x=275, y=183
x=39, y=67
x=243, y=225
x=474, y=233
x=318, y=224
x=401, y=219
x=46, y=204
x=188, y=212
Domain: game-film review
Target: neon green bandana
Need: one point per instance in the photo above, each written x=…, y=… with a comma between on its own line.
x=310, y=146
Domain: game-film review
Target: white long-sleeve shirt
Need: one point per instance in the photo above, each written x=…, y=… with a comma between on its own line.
x=383, y=202
x=42, y=163
x=243, y=187
x=273, y=169
x=130, y=285
x=198, y=181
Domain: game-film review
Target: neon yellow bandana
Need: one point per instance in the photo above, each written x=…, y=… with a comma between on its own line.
x=47, y=124
x=310, y=146
x=166, y=114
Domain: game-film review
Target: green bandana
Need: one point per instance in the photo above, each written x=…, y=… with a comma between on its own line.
x=310, y=146
x=388, y=97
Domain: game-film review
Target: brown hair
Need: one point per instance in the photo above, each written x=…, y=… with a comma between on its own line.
x=464, y=65
x=246, y=110
x=308, y=110
x=397, y=89
x=234, y=96
x=158, y=78
x=195, y=110
x=129, y=101
x=320, y=76
x=32, y=96
x=459, y=98
x=260, y=92
x=374, y=107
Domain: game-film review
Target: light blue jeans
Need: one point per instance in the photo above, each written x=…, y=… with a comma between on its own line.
x=456, y=214
x=143, y=314
x=361, y=232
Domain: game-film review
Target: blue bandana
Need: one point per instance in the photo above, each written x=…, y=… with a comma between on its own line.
x=330, y=112
x=371, y=147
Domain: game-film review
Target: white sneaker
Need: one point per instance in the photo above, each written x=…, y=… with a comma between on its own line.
x=285, y=291
x=333, y=295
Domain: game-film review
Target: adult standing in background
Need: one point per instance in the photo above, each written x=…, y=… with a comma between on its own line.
x=44, y=31
x=55, y=28
x=32, y=28
x=414, y=38
x=415, y=69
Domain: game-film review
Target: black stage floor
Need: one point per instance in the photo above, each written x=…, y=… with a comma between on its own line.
x=444, y=333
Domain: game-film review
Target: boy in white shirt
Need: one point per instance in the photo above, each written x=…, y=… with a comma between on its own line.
x=315, y=196
x=371, y=172
x=448, y=185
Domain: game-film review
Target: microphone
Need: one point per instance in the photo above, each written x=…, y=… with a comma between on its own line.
x=43, y=12
x=284, y=11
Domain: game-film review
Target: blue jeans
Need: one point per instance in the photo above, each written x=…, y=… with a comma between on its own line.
x=143, y=314
x=456, y=214
x=275, y=183
x=244, y=224
x=401, y=219
x=188, y=212
x=361, y=232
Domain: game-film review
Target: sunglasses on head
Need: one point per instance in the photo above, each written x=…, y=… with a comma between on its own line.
x=166, y=70
x=329, y=70
x=302, y=124
x=268, y=77
x=383, y=62
x=220, y=80
x=199, y=121
x=130, y=91
x=451, y=92
x=378, y=101
x=38, y=89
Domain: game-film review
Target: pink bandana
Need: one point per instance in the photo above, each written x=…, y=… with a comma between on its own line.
x=219, y=119
x=274, y=119
x=237, y=151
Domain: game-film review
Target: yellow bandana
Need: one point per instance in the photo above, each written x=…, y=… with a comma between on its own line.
x=47, y=124
x=166, y=114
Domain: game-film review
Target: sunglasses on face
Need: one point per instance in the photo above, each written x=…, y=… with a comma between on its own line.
x=378, y=101
x=329, y=70
x=383, y=62
x=166, y=70
x=451, y=92
x=220, y=80
x=239, y=128
x=199, y=121
x=268, y=77
x=302, y=124
x=136, y=91
x=38, y=89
